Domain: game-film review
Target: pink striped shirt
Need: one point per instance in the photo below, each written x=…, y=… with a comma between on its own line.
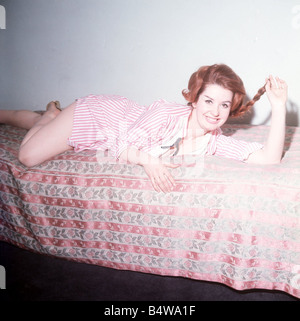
x=114, y=123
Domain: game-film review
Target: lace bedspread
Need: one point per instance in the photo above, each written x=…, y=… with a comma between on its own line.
x=225, y=221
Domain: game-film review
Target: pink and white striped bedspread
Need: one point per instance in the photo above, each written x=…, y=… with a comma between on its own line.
x=225, y=222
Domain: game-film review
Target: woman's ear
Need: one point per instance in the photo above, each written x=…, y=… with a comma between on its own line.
x=195, y=103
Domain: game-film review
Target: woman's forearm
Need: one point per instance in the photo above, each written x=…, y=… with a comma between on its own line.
x=273, y=149
x=275, y=142
x=276, y=89
x=135, y=156
x=160, y=177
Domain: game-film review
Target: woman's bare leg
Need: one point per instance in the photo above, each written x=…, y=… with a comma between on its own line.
x=19, y=118
x=26, y=119
x=51, y=112
x=48, y=137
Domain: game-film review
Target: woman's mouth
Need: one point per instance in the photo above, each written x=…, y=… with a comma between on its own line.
x=212, y=120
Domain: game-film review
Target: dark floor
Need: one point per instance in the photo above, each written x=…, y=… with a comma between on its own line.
x=35, y=277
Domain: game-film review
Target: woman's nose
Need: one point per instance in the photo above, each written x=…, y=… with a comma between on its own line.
x=215, y=110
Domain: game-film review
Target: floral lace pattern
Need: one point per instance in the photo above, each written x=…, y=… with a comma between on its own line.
x=225, y=221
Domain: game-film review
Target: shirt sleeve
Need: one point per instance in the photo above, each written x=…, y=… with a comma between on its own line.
x=229, y=147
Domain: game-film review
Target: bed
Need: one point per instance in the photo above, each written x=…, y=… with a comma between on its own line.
x=225, y=222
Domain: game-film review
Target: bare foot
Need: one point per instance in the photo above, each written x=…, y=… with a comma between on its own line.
x=53, y=109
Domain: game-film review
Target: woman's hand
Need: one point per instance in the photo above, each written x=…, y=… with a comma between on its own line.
x=276, y=89
x=158, y=172
x=160, y=177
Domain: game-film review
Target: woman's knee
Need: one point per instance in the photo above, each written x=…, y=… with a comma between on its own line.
x=27, y=158
x=49, y=141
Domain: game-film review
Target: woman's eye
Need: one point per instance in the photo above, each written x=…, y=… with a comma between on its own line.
x=225, y=106
x=208, y=101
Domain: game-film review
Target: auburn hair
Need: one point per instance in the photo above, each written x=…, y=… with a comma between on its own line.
x=222, y=75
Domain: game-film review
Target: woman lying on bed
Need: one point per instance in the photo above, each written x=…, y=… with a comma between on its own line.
x=143, y=135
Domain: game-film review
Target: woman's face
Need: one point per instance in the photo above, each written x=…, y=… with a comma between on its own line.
x=212, y=109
